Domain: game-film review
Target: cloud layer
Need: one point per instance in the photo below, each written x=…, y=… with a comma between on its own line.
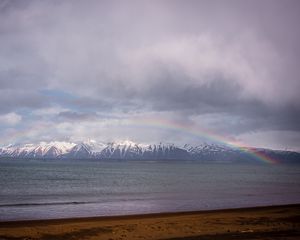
x=77, y=69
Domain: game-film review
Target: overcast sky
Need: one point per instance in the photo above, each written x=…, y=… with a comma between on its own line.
x=78, y=70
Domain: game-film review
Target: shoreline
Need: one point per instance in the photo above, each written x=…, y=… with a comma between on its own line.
x=282, y=221
x=144, y=215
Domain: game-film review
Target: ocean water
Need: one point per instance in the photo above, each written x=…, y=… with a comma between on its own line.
x=31, y=189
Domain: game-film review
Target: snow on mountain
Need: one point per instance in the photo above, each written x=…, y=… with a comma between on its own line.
x=41, y=150
x=131, y=150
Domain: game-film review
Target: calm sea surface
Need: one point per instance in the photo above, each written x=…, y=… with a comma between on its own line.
x=32, y=189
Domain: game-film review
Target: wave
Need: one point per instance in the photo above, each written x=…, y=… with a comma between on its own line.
x=43, y=204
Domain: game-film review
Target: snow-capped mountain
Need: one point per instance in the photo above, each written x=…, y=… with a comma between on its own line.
x=131, y=150
x=43, y=149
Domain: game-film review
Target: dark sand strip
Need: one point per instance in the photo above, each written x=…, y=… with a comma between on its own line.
x=275, y=222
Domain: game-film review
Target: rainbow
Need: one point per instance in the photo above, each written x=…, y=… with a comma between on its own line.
x=196, y=132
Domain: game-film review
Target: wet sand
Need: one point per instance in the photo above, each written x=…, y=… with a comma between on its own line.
x=276, y=222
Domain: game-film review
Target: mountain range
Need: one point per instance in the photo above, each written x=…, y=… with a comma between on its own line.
x=128, y=150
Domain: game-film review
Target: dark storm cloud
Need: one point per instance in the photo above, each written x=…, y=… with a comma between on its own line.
x=217, y=94
x=223, y=97
x=79, y=60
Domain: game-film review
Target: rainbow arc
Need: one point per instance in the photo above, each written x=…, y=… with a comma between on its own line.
x=202, y=133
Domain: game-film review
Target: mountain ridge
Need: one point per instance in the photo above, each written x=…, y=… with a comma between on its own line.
x=129, y=150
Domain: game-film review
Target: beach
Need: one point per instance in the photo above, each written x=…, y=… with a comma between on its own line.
x=273, y=222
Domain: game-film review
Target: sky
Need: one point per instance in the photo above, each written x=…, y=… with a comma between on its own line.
x=113, y=70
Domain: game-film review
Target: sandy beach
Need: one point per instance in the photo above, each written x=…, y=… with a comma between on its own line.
x=275, y=222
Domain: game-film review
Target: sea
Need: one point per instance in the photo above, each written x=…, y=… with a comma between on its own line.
x=50, y=189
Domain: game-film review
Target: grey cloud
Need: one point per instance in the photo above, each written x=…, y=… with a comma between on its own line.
x=224, y=97
x=75, y=116
x=17, y=100
x=215, y=95
x=238, y=60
